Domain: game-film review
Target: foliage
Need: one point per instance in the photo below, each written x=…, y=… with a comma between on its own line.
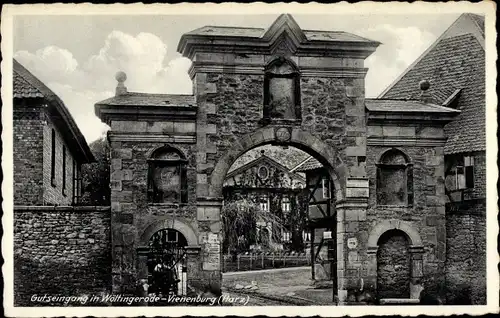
x=239, y=219
x=95, y=176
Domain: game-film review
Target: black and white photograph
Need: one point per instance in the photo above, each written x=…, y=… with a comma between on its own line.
x=204, y=159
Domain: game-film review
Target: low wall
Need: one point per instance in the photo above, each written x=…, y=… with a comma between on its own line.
x=466, y=253
x=60, y=251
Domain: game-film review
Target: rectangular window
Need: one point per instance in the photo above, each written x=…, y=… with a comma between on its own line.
x=469, y=171
x=264, y=204
x=326, y=188
x=73, y=182
x=64, y=171
x=53, y=159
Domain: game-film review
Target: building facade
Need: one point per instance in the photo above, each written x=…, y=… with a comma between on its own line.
x=405, y=172
x=285, y=86
x=454, y=66
x=60, y=247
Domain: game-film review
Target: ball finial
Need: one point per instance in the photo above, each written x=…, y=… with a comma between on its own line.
x=424, y=85
x=121, y=76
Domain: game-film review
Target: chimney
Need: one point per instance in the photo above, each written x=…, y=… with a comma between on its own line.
x=262, y=152
x=425, y=96
x=121, y=77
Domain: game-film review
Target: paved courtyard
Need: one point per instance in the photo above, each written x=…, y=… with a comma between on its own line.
x=287, y=286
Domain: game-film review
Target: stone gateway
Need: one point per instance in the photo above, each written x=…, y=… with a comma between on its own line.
x=283, y=86
x=405, y=196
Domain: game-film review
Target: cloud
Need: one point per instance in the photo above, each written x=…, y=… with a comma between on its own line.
x=400, y=47
x=80, y=86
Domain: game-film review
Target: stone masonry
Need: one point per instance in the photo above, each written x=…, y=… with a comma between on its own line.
x=224, y=119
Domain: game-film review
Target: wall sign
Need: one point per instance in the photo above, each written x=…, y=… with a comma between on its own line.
x=352, y=243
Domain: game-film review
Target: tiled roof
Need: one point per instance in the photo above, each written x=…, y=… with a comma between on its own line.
x=453, y=63
x=308, y=164
x=144, y=99
x=402, y=105
x=24, y=89
x=311, y=35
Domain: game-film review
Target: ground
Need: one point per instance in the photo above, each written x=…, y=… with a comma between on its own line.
x=287, y=286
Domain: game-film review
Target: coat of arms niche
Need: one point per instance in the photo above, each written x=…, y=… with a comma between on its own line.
x=282, y=91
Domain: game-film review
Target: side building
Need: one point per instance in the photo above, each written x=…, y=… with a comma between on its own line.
x=58, y=244
x=454, y=66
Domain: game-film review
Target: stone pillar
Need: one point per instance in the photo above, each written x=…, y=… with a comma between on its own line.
x=210, y=226
x=351, y=237
x=416, y=284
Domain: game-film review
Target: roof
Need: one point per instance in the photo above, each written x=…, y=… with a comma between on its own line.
x=403, y=105
x=26, y=85
x=259, y=40
x=309, y=163
x=456, y=61
x=260, y=160
x=311, y=35
x=145, y=99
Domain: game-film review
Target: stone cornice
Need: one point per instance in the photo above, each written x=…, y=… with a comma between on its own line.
x=114, y=112
x=154, y=138
x=405, y=141
x=220, y=68
x=337, y=72
x=258, y=69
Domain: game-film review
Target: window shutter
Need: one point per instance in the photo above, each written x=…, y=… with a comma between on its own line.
x=469, y=177
x=184, y=183
x=409, y=180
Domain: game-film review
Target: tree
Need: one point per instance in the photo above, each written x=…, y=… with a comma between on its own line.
x=239, y=221
x=95, y=176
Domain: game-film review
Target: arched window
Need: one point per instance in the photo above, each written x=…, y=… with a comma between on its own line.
x=282, y=91
x=167, y=177
x=394, y=179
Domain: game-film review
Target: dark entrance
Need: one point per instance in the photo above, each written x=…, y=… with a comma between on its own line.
x=167, y=263
x=393, y=265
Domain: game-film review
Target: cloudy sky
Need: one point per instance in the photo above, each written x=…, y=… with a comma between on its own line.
x=78, y=55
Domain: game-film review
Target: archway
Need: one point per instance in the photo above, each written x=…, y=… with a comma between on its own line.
x=387, y=239
x=327, y=158
x=393, y=265
x=167, y=263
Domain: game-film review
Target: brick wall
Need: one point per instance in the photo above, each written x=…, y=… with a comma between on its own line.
x=60, y=251
x=27, y=156
x=53, y=194
x=466, y=253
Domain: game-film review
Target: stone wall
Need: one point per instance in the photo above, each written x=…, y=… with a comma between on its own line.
x=466, y=253
x=27, y=156
x=425, y=218
x=61, y=251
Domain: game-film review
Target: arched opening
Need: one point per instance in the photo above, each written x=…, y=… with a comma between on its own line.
x=279, y=211
x=393, y=265
x=394, y=179
x=167, y=180
x=167, y=263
